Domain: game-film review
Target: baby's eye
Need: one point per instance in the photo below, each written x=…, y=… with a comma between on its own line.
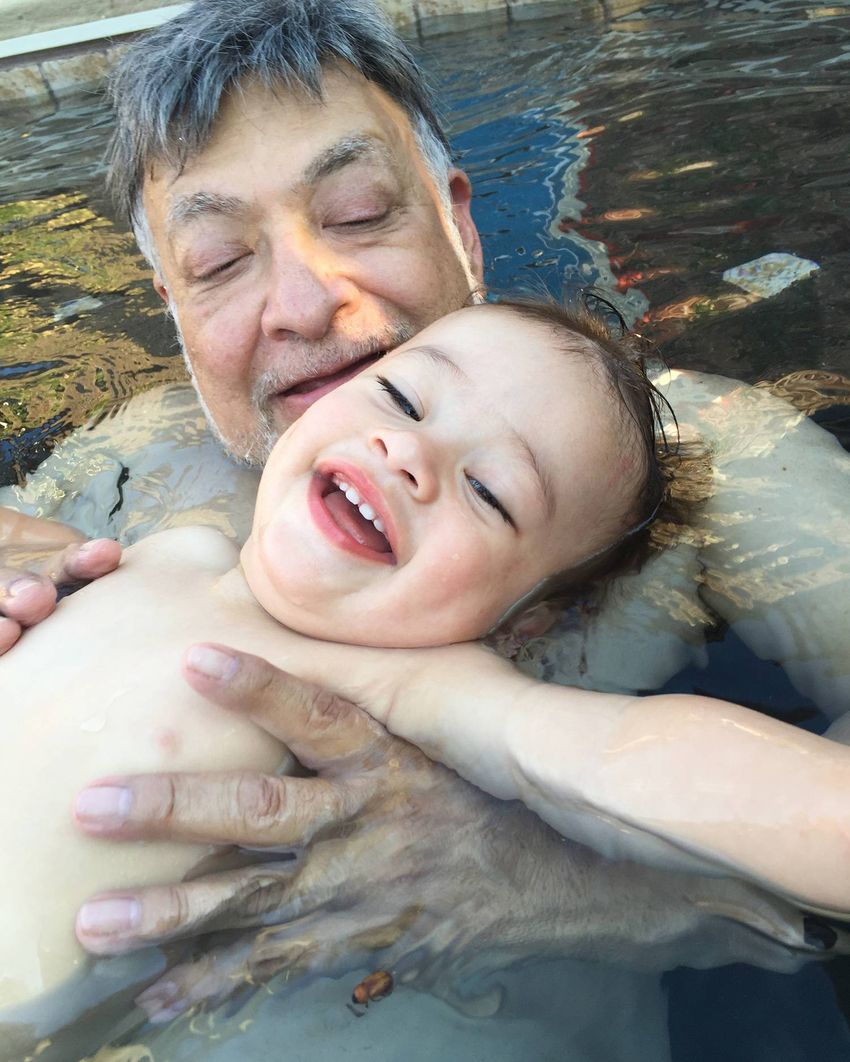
x=404, y=404
x=490, y=499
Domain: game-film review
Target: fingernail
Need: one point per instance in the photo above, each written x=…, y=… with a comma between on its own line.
x=22, y=585
x=212, y=662
x=109, y=803
x=161, y=1002
x=114, y=915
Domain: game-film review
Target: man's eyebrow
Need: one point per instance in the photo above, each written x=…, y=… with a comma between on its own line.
x=186, y=208
x=342, y=153
x=541, y=477
x=337, y=156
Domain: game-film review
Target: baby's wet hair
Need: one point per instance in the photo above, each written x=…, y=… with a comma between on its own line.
x=585, y=330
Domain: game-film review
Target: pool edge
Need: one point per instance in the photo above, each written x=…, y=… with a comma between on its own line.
x=40, y=71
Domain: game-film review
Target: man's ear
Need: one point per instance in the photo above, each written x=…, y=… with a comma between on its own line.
x=160, y=288
x=532, y=622
x=460, y=188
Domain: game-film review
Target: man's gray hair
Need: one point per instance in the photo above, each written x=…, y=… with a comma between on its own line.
x=168, y=88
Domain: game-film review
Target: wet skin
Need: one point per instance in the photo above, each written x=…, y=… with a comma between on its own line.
x=480, y=446
x=306, y=237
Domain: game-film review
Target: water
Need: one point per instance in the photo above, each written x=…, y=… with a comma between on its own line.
x=649, y=154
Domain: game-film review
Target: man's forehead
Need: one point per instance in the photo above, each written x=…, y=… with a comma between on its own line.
x=345, y=103
x=310, y=139
x=348, y=150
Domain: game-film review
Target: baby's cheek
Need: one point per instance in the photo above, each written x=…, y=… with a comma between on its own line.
x=467, y=582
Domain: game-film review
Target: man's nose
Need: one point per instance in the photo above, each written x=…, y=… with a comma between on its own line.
x=306, y=291
x=410, y=456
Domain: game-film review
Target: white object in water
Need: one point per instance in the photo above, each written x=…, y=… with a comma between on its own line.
x=77, y=306
x=770, y=274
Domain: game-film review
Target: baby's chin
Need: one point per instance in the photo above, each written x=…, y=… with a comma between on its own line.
x=389, y=631
x=343, y=621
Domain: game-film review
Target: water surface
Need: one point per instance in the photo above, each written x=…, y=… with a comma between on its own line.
x=647, y=154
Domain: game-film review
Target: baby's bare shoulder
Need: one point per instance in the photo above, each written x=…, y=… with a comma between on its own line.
x=196, y=547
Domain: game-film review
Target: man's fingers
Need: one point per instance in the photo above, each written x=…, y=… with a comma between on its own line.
x=242, y=808
x=321, y=728
x=275, y=893
x=237, y=971
x=82, y=562
x=332, y=944
x=21, y=532
x=10, y=632
x=113, y=923
x=28, y=597
x=210, y=979
x=25, y=597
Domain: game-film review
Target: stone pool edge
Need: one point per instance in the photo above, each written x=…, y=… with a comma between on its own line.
x=41, y=71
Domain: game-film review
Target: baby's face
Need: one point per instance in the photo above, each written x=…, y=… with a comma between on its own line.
x=415, y=503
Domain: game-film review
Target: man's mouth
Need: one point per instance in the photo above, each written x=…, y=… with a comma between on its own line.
x=347, y=519
x=302, y=395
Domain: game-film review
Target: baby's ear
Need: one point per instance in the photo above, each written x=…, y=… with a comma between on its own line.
x=532, y=622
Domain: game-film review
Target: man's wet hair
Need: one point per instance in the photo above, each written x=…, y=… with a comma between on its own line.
x=584, y=329
x=168, y=89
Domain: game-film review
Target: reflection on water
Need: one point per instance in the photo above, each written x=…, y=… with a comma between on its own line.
x=648, y=153
x=75, y=323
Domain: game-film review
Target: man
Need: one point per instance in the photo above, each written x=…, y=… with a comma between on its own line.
x=294, y=195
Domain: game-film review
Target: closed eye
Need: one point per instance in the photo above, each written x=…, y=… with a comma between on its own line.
x=490, y=499
x=222, y=268
x=360, y=223
x=404, y=404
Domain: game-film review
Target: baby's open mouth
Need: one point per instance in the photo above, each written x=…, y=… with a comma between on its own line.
x=354, y=517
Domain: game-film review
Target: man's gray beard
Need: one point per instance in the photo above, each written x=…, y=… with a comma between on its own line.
x=252, y=448
x=249, y=449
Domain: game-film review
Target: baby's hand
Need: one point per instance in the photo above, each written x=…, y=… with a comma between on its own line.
x=39, y=559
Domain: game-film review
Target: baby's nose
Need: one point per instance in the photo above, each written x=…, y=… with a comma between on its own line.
x=409, y=455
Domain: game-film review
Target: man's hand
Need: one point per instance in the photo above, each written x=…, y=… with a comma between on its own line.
x=384, y=859
x=37, y=559
x=383, y=854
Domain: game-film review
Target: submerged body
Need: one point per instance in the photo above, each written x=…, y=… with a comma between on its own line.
x=124, y=719
x=111, y=716
x=112, y=721
x=315, y=563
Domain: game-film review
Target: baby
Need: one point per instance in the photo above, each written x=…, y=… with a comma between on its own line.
x=504, y=455
x=501, y=454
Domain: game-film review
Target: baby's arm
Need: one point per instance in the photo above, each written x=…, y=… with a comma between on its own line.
x=679, y=781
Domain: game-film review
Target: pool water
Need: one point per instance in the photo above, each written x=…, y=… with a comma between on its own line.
x=646, y=154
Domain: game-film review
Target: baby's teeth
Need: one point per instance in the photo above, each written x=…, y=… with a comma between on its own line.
x=365, y=508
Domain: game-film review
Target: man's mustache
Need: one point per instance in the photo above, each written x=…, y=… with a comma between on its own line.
x=324, y=358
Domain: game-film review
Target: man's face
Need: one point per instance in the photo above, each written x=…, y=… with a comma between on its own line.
x=305, y=240
x=415, y=504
